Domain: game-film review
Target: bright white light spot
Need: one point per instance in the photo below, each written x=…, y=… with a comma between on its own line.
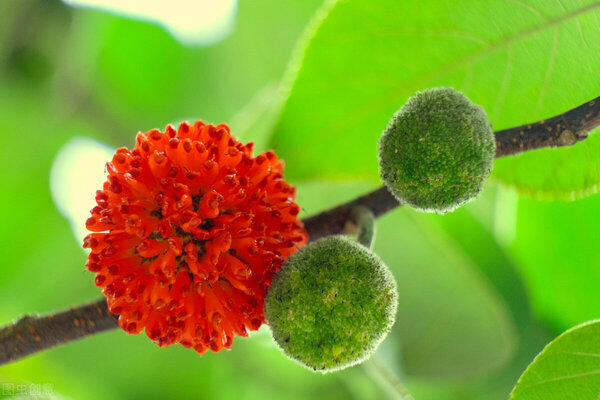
x=193, y=21
x=77, y=172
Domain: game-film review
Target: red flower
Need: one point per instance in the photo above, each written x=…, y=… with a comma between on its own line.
x=189, y=230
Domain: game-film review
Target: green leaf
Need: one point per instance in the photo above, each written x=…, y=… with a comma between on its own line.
x=470, y=230
x=451, y=323
x=463, y=230
x=494, y=386
x=567, y=173
x=554, y=252
x=522, y=61
x=254, y=121
x=568, y=368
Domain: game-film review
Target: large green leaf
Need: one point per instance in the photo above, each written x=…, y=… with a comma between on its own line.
x=567, y=369
x=494, y=386
x=451, y=323
x=555, y=251
x=471, y=230
x=567, y=173
x=521, y=60
x=464, y=230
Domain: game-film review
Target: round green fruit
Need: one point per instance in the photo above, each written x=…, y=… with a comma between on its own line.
x=331, y=304
x=437, y=151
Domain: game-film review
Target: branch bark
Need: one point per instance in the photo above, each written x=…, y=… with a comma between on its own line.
x=565, y=129
x=333, y=221
x=32, y=334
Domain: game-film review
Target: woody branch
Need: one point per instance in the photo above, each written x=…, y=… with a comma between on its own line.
x=34, y=333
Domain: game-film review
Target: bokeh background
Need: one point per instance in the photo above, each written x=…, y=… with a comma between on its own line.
x=482, y=290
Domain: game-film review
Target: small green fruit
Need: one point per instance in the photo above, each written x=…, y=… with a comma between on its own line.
x=331, y=304
x=437, y=151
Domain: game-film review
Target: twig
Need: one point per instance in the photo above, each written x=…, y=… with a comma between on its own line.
x=33, y=333
x=565, y=129
x=36, y=333
x=333, y=221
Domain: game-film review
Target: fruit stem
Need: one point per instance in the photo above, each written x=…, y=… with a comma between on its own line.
x=365, y=220
x=383, y=376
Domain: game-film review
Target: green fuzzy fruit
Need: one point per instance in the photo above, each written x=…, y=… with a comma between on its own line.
x=437, y=151
x=331, y=304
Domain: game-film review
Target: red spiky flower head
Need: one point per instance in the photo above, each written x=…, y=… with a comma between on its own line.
x=188, y=232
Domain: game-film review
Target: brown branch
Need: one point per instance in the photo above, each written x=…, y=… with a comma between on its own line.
x=333, y=221
x=33, y=333
x=565, y=129
x=36, y=333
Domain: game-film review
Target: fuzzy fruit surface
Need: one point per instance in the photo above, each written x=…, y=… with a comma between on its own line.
x=331, y=304
x=437, y=151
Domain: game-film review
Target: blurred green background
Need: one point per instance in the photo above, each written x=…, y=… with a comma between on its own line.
x=482, y=290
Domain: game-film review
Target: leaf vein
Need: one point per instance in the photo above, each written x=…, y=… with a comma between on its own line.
x=531, y=8
x=506, y=41
x=366, y=109
x=583, y=39
x=562, y=378
x=580, y=353
x=549, y=71
x=505, y=83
